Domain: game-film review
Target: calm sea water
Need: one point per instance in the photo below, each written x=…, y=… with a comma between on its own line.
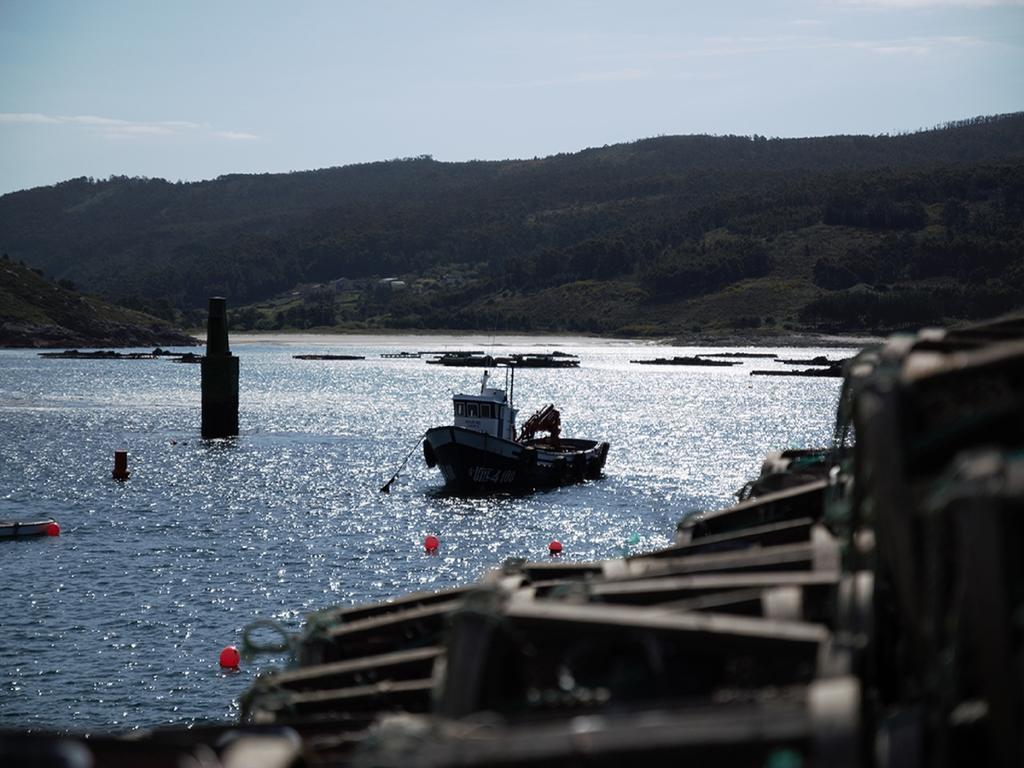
x=118, y=623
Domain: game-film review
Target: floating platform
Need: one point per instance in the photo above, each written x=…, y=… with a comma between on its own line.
x=515, y=360
x=835, y=371
x=110, y=354
x=767, y=355
x=687, y=361
x=328, y=357
x=541, y=360
x=459, y=352
x=817, y=360
x=460, y=360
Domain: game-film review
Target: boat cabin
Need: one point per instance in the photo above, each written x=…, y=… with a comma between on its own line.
x=489, y=412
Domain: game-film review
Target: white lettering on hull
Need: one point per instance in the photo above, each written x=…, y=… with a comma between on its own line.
x=494, y=476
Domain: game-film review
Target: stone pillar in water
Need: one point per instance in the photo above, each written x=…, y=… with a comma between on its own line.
x=220, y=376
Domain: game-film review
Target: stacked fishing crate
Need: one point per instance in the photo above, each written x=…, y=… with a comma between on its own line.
x=720, y=647
x=861, y=605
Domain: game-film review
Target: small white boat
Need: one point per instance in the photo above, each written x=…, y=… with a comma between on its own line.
x=13, y=529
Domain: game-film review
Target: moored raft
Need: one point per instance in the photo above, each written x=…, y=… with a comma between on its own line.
x=834, y=371
x=554, y=359
x=684, y=360
x=329, y=357
x=110, y=354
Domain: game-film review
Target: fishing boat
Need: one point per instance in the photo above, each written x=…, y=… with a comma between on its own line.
x=481, y=451
x=12, y=529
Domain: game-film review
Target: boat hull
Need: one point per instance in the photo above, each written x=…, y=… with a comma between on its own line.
x=10, y=529
x=475, y=462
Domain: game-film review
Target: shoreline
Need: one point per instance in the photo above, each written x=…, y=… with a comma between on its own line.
x=478, y=338
x=795, y=340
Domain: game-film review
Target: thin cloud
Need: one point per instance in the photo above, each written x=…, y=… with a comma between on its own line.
x=615, y=76
x=112, y=127
x=702, y=76
x=144, y=130
x=915, y=46
x=897, y=50
x=236, y=135
x=584, y=78
x=745, y=46
x=927, y=3
x=180, y=124
x=728, y=46
x=95, y=122
x=23, y=118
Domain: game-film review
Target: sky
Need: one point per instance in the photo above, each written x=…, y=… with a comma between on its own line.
x=193, y=89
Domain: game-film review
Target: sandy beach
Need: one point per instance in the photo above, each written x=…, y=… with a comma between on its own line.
x=457, y=340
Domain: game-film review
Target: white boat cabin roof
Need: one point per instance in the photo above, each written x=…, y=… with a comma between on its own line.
x=487, y=395
x=488, y=412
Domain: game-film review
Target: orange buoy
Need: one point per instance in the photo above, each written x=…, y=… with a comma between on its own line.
x=229, y=657
x=53, y=529
x=120, y=465
x=555, y=547
x=431, y=543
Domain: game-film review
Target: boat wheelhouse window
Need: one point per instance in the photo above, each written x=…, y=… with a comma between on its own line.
x=460, y=409
x=471, y=410
x=486, y=411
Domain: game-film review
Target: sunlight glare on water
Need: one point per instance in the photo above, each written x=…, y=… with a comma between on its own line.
x=118, y=623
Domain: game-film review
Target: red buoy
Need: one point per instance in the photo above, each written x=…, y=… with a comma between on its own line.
x=555, y=547
x=431, y=543
x=120, y=465
x=53, y=529
x=230, y=657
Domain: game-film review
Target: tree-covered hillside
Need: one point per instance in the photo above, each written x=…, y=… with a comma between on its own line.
x=664, y=235
x=35, y=312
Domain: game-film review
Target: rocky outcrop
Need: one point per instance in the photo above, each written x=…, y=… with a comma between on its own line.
x=50, y=336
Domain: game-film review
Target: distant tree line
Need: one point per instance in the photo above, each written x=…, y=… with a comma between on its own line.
x=666, y=220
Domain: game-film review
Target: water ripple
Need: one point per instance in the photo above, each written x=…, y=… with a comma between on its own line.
x=117, y=623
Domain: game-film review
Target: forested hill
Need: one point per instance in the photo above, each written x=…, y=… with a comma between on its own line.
x=35, y=312
x=670, y=234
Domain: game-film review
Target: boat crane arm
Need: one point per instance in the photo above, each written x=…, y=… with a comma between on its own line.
x=547, y=419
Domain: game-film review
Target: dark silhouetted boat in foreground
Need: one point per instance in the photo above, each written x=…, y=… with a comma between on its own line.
x=482, y=452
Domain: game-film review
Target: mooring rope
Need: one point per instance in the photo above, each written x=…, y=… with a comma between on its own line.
x=386, y=488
